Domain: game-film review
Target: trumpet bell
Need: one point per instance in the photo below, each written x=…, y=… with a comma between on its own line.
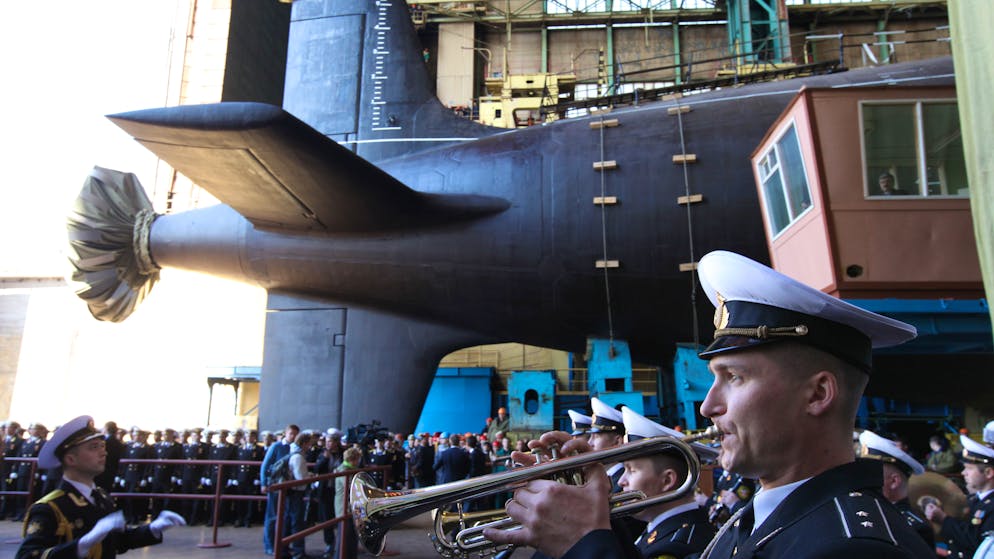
x=363, y=488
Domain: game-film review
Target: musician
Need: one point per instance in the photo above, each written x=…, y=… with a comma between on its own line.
x=964, y=535
x=79, y=519
x=581, y=424
x=898, y=467
x=731, y=493
x=674, y=529
x=790, y=364
x=607, y=430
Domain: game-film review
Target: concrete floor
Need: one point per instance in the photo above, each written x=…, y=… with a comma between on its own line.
x=408, y=540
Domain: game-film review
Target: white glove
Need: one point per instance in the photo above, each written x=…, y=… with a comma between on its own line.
x=113, y=522
x=234, y=482
x=166, y=520
x=142, y=484
x=13, y=475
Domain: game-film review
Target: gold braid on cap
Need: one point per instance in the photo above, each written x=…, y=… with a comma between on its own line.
x=763, y=332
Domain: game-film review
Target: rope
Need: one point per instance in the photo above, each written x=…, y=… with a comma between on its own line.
x=607, y=286
x=690, y=230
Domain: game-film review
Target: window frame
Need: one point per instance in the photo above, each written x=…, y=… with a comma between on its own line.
x=774, y=144
x=921, y=163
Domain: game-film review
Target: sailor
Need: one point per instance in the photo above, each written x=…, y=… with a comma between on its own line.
x=677, y=528
x=607, y=430
x=581, y=424
x=964, y=535
x=898, y=468
x=731, y=492
x=790, y=364
x=79, y=519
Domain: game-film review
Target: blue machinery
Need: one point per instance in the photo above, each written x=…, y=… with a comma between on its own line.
x=460, y=399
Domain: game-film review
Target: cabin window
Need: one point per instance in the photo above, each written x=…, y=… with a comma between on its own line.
x=913, y=149
x=785, y=184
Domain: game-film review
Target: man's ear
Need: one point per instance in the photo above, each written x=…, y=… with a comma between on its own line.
x=823, y=391
x=671, y=480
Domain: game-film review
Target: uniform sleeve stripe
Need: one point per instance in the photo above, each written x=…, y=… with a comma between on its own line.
x=842, y=517
x=887, y=524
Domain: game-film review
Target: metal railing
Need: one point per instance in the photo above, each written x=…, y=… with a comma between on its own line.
x=216, y=498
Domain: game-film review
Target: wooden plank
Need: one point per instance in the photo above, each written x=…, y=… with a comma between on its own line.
x=678, y=110
x=672, y=96
x=607, y=264
x=605, y=165
x=610, y=123
x=604, y=111
x=688, y=158
x=605, y=200
x=688, y=266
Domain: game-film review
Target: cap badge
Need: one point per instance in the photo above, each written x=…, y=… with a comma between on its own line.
x=720, y=313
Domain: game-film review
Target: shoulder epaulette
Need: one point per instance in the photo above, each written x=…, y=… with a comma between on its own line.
x=862, y=516
x=683, y=534
x=51, y=496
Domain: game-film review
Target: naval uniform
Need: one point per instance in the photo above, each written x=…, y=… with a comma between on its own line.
x=838, y=513
x=916, y=521
x=58, y=520
x=964, y=534
x=678, y=536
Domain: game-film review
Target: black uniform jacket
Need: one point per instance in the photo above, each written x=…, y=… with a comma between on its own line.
x=965, y=534
x=55, y=523
x=678, y=536
x=917, y=521
x=839, y=513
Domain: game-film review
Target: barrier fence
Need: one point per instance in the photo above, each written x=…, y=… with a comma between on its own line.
x=218, y=496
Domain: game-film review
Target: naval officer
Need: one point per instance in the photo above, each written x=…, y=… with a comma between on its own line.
x=581, y=424
x=789, y=364
x=964, y=535
x=674, y=529
x=607, y=430
x=898, y=468
x=79, y=519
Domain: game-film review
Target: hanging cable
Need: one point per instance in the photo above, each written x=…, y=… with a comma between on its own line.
x=690, y=229
x=607, y=286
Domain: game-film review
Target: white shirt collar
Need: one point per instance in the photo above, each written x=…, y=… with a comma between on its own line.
x=767, y=500
x=981, y=495
x=84, y=490
x=679, y=509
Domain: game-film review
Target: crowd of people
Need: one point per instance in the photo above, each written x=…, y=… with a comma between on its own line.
x=410, y=461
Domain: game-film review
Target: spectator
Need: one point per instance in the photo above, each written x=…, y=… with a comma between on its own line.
x=941, y=459
x=295, y=495
x=274, y=453
x=347, y=547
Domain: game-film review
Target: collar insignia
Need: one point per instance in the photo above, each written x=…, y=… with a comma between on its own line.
x=78, y=500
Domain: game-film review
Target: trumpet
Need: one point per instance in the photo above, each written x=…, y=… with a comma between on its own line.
x=376, y=511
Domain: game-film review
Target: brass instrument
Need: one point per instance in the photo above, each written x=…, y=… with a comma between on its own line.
x=376, y=511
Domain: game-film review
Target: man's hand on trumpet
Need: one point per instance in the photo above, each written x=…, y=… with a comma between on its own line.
x=555, y=516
